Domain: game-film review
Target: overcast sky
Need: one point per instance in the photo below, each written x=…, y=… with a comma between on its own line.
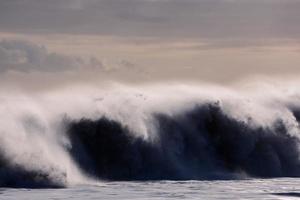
x=218, y=19
x=166, y=38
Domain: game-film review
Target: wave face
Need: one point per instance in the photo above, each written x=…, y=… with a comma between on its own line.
x=203, y=143
x=17, y=176
x=77, y=135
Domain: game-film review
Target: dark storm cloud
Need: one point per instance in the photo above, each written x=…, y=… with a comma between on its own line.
x=218, y=19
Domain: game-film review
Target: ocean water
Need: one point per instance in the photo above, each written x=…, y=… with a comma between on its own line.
x=129, y=136
x=281, y=188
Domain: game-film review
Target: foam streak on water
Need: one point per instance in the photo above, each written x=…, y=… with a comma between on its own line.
x=239, y=189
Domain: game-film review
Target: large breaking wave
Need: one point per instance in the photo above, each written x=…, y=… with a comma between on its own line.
x=181, y=132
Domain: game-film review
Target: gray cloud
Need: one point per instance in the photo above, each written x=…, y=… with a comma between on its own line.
x=214, y=19
x=24, y=56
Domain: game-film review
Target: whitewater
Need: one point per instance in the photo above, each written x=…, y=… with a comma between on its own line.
x=162, y=140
